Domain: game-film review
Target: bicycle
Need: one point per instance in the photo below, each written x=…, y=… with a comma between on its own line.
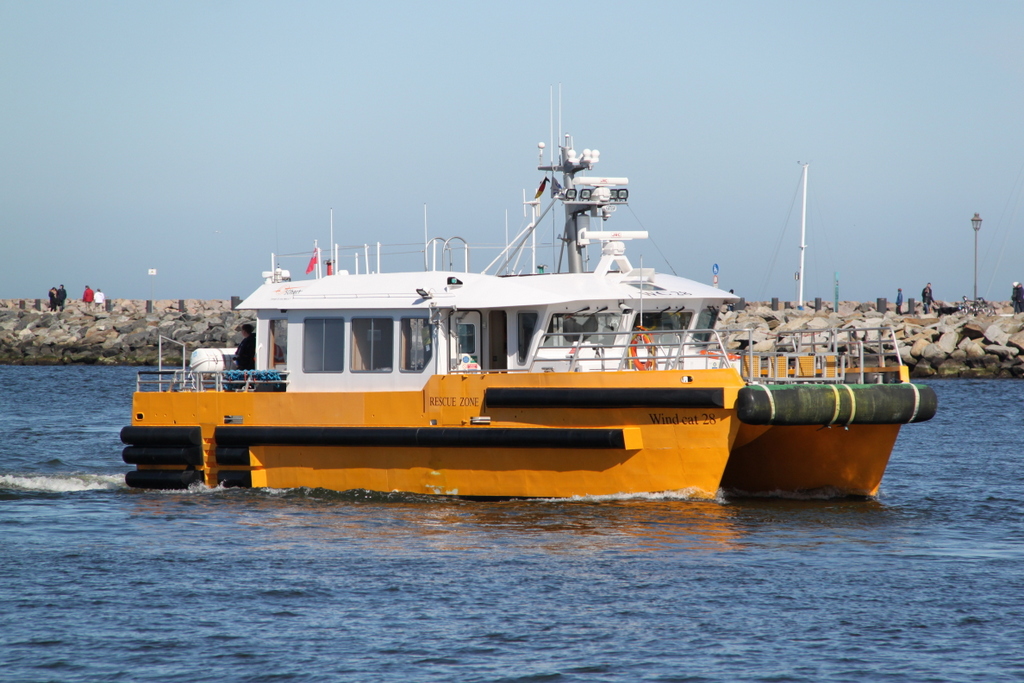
x=976, y=307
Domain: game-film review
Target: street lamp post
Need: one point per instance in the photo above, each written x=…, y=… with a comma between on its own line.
x=976, y=224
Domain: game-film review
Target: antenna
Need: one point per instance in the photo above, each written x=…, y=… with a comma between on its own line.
x=559, y=113
x=551, y=126
x=803, y=245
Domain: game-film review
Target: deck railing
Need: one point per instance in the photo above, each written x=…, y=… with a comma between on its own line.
x=834, y=355
x=188, y=380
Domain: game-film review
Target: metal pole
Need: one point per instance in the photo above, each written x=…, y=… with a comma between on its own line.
x=975, y=265
x=803, y=246
x=976, y=224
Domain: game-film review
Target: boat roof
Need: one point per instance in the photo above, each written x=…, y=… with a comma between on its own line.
x=472, y=290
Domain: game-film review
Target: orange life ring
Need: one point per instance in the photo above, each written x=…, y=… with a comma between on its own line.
x=643, y=339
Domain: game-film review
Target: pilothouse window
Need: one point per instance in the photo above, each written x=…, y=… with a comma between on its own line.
x=416, y=347
x=706, y=321
x=527, y=325
x=372, y=344
x=566, y=329
x=323, y=345
x=666, y=320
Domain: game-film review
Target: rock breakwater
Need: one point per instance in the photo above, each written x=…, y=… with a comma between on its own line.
x=127, y=334
x=942, y=346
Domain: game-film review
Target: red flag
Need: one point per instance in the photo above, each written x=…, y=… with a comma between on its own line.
x=540, y=190
x=312, y=262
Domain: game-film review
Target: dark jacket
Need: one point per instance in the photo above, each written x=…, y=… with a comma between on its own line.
x=245, y=354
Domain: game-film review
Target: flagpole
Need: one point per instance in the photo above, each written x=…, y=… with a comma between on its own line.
x=330, y=247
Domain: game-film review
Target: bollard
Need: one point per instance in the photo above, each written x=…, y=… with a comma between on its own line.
x=775, y=303
x=881, y=304
x=108, y=305
x=181, y=305
x=235, y=300
x=741, y=304
x=39, y=304
x=911, y=305
x=21, y=304
x=149, y=305
x=817, y=304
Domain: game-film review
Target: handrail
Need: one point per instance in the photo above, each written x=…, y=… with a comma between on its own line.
x=188, y=380
x=833, y=355
x=160, y=351
x=447, y=249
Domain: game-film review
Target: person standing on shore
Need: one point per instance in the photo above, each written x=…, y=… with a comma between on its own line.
x=99, y=297
x=899, y=301
x=1017, y=297
x=53, y=299
x=926, y=297
x=87, y=295
x=62, y=296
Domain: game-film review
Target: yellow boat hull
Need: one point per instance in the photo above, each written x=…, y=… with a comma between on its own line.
x=551, y=435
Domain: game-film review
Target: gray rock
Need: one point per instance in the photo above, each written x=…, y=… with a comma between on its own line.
x=1003, y=352
x=995, y=335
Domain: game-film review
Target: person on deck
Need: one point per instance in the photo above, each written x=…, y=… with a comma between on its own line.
x=245, y=354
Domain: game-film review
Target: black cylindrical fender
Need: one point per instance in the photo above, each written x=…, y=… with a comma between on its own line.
x=829, y=404
x=162, y=455
x=162, y=436
x=163, y=479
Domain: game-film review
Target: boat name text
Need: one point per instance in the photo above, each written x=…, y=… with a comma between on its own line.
x=677, y=419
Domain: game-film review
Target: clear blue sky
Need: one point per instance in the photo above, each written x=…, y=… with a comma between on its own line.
x=198, y=137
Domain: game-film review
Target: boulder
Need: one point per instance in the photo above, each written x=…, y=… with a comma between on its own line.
x=918, y=347
x=950, y=368
x=973, y=330
x=948, y=341
x=995, y=335
x=934, y=354
x=1002, y=352
x=1016, y=341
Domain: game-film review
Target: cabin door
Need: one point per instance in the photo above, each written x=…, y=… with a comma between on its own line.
x=497, y=341
x=464, y=341
x=277, y=348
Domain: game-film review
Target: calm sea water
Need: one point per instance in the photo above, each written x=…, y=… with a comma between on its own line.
x=102, y=583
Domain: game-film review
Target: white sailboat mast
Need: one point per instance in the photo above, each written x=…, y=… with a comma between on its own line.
x=803, y=244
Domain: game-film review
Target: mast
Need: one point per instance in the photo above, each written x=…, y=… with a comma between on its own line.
x=577, y=213
x=803, y=245
x=587, y=201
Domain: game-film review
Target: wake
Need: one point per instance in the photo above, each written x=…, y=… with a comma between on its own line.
x=61, y=483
